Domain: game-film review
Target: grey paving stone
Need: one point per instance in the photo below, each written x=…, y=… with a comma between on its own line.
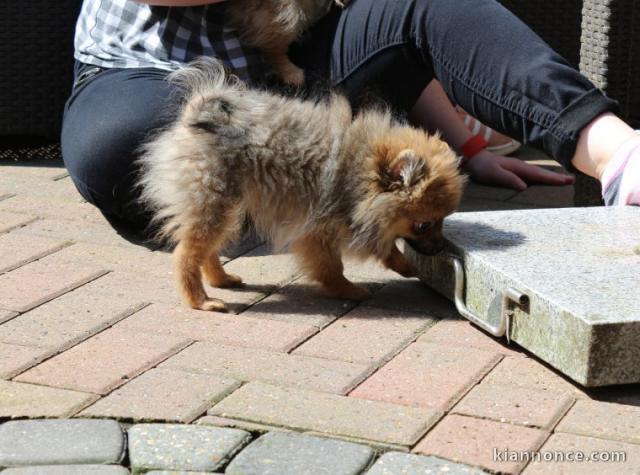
x=278, y=453
x=64, y=441
x=396, y=463
x=182, y=447
x=175, y=472
x=67, y=470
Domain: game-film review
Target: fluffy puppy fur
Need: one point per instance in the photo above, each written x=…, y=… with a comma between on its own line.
x=310, y=176
x=272, y=25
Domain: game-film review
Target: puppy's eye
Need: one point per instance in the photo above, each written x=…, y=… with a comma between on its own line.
x=421, y=228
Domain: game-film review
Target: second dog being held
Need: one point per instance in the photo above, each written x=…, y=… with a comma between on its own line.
x=309, y=174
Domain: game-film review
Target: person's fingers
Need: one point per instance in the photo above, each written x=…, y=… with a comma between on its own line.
x=510, y=180
x=499, y=176
x=535, y=174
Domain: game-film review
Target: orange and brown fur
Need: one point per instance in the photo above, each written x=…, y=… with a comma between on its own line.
x=310, y=176
x=272, y=25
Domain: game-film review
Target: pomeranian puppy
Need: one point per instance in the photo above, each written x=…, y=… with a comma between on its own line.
x=272, y=25
x=310, y=176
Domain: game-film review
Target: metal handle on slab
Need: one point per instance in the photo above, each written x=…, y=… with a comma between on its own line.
x=510, y=297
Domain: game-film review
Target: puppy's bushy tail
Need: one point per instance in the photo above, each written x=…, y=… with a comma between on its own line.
x=208, y=93
x=202, y=76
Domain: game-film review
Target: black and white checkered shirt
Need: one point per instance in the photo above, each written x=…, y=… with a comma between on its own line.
x=127, y=34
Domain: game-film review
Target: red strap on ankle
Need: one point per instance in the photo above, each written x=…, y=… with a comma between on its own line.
x=472, y=147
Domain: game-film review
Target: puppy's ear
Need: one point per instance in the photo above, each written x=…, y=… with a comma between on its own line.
x=402, y=171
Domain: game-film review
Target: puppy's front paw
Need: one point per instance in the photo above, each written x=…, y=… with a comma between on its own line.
x=342, y=3
x=213, y=305
x=293, y=76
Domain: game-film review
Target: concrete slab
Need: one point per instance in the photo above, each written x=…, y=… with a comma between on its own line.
x=580, y=269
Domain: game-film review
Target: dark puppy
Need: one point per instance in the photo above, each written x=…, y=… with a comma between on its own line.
x=272, y=25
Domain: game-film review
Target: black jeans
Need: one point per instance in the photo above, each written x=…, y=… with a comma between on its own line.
x=487, y=60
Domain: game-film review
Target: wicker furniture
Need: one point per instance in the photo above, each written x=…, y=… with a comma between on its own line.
x=36, y=36
x=36, y=61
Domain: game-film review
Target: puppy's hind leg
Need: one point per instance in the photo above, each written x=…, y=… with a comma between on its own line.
x=216, y=275
x=190, y=253
x=323, y=262
x=197, y=253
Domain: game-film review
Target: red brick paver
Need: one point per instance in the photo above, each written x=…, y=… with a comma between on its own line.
x=9, y=221
x=604, y=420
x=6, y=315
x=450, y=332
x=41, y=169
x=64, y=209
x=135, y=260
x=162, y=289
x=55, y=185
x=40, y=281
x=326, y=413
x=105, y=361
x=217, y=327
x=16, y=358
x=93, y=233
x=479, y=442
x=71, y=318
x=521, y=406
x=410, y=295
x=251, y=364
x=530, y=373
x=17, y=250
x=428, y=375
x=163, y=395
x=262, y=268
x=366, y=335
x=301, y=302
x=30, y=400
x=621, y=458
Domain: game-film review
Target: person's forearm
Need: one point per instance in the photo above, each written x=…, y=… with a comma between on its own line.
x=178, y=3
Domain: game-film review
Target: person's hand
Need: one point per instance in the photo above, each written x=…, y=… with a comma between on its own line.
x=490, y=169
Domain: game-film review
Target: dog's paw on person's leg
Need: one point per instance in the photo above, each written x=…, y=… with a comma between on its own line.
x=287, y=71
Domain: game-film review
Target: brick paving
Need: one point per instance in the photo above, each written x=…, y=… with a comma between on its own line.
x=91, y=327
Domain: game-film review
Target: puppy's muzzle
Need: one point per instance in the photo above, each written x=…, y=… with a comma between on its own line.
x=428, y=248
